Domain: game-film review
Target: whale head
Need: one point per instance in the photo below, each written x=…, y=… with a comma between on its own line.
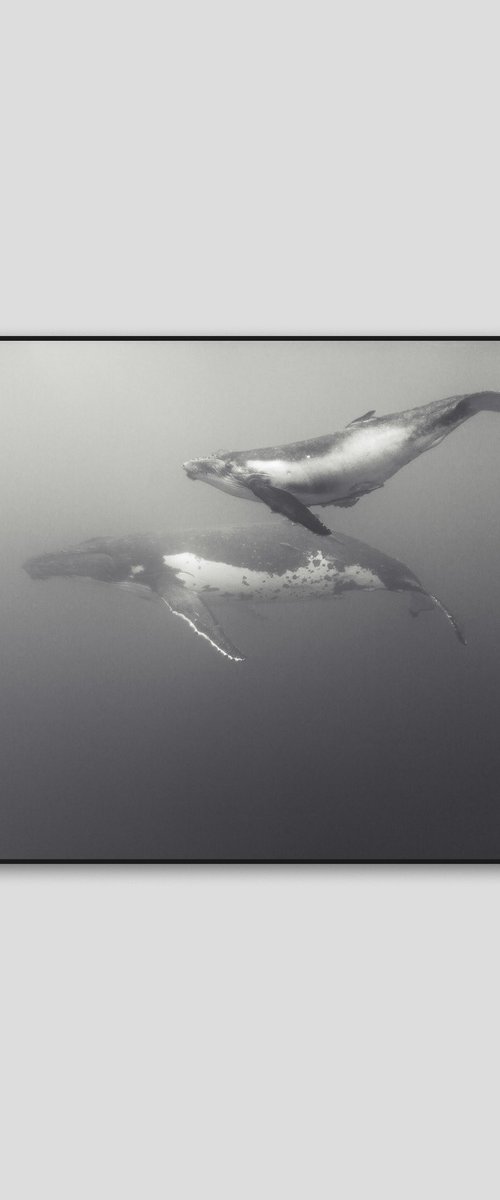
x=220, y=471
x=210, y=469
x=94, y=565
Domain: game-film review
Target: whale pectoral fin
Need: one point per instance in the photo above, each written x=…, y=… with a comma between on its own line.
x=366, y=417
x=459, y=633
x=185, y=603
x=278, y=500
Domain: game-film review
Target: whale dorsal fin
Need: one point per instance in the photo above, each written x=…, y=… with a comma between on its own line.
x=279, y=500
x=366, y=417
x=184, y=602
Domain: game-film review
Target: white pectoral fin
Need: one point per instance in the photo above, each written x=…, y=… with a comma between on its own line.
x=459, y=633
x=188, y=605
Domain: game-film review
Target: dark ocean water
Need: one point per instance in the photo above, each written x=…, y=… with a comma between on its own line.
x=351, y=731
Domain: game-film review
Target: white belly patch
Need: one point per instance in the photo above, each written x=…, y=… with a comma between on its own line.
x=319, y=576
x=373, y=445
x=367, y=456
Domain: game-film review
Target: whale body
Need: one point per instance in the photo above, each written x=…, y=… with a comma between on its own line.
x=341, y=467
x=190, y=571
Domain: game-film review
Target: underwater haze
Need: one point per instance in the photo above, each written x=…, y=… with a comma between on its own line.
x=351, y=731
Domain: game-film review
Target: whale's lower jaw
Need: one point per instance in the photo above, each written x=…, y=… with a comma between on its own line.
x=227, y=483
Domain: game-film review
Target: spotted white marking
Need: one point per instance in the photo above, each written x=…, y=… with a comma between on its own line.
x=318, y=575
x=362, y=577
x=137, y=571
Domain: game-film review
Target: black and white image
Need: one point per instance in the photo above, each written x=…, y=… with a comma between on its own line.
x=297, y=662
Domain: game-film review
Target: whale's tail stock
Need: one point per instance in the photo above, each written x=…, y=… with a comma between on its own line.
x=483, y=402
x=446, y=415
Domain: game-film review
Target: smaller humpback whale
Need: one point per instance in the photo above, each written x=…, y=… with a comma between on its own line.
x=190, y=571
x=341, y=467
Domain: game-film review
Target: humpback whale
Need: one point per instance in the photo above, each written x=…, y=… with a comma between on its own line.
x=191, y=571
x=341, y=467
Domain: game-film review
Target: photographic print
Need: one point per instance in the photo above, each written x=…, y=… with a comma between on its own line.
x=294, y=660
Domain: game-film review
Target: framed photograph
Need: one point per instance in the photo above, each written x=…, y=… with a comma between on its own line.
x=294, y=660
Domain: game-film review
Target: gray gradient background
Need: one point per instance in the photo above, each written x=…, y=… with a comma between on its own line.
x=351, y=731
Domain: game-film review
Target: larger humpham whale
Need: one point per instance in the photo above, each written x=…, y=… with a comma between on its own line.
x=190, y=571
x=341, y=467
